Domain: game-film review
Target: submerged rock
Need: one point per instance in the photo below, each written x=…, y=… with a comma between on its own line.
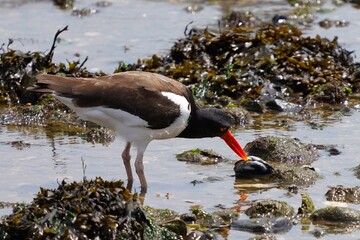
x=283, y=176
x=200, y=156
x=283, y=150
x=301, y=176
x=335, y=216
x=357, y=171
x=270, y=208
x=263, y=225
x=343, y=194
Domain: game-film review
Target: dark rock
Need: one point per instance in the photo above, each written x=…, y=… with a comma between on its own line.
x=334, y=151
x=281, y=106
x=301, y=176
x=240, y=115
x=331, y=92
x=64, y=4
x=188, y=217
x=285, y=150
x=357, y=171
x=263, y=225
x=335, y=215
x=253, y=106
x=293, y=188
x=176, y=226
x=331, y=149
x=20, y=144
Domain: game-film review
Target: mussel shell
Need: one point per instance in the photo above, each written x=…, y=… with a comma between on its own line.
x=255, y=166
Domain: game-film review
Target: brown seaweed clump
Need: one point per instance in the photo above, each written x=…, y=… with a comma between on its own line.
x=95, y=209
x=274, y=62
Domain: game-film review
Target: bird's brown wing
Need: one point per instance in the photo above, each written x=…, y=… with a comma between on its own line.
x=129, y=91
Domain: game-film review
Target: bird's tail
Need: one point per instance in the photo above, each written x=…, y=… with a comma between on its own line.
x=47, y=83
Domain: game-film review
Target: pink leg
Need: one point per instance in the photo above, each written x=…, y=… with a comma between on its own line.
x=126, y=159
x=139, y=168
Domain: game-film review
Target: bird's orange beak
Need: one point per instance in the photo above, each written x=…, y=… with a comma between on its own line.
x=234, y=145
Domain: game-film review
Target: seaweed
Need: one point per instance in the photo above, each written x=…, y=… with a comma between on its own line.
x=272, y=62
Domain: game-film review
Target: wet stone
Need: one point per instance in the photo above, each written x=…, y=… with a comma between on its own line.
x=253, y=106
x=270, y=208
x=331, y=149
x=20, y=144
x=239, y=115
x=288, y=175
x=176, y=226
x=335, y=215
x=64, y=4
x=206, y=220
x=264, y=237
x=357, y=171
x=283, y=150
x=200, y=156
x=263, y=225
x=344, y=194
x=281, y=105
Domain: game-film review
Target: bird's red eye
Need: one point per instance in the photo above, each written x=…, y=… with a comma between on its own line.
x=223, y=129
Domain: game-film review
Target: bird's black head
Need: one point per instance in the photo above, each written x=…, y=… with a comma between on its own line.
x=207, y=122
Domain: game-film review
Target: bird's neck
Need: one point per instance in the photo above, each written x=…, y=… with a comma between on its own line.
x=195, y=126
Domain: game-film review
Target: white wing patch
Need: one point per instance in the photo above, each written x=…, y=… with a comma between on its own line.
x=181, y=122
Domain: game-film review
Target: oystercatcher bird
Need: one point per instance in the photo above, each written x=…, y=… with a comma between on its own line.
x=140, y=107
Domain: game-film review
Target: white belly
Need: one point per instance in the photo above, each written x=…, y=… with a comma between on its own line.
x=131, y=127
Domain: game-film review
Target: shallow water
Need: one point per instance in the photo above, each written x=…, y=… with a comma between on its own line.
x=148, y=27
x=48, y=161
